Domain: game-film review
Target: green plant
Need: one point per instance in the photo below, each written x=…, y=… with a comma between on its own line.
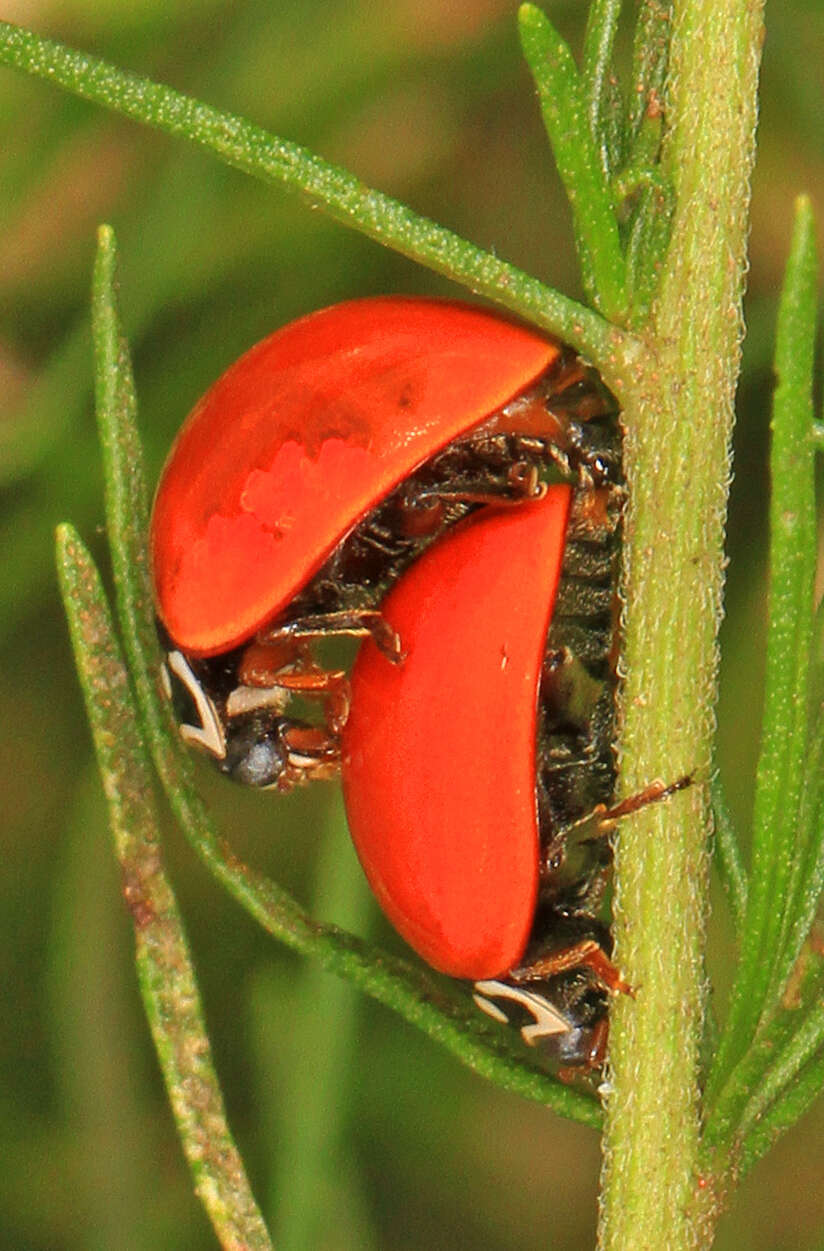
x=660, y=193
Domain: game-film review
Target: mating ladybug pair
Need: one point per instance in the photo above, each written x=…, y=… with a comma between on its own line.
x=447, y=484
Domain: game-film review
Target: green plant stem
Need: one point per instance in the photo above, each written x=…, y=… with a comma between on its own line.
x=793, y=828
x=344, y=197
x=678, y=428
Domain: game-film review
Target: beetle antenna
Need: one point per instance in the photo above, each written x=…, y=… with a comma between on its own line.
x=652, y=794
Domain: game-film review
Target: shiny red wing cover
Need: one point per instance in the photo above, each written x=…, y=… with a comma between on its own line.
x=300, y=438
x=439, y=754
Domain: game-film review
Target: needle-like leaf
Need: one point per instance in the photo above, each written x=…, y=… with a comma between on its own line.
x=777, y=832
x=237, y=142
x=566, y=115
x=167, y=979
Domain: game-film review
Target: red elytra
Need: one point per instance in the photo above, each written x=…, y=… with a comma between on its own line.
x=439, y=754
x=300, y=438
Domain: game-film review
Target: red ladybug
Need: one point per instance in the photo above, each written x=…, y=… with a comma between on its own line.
x=350, y=475
x=313, y=473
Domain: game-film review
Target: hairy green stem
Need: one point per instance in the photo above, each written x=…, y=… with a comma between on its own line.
x=679, y=428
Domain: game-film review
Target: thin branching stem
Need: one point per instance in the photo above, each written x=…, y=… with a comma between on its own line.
x=247, y=147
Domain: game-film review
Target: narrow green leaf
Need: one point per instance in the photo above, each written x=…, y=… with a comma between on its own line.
x=807, y=881
x=605, y=107
x=641, y=190
x=800, y=1048
x=769, y=1068
x=805, y=1088
x=649, y=61
x=765, y=951
x=416, y=996
x=728, y=858
x=127, y=496
x=567, y=122
x=344, y=197
x=647, y=245
x=167, y=980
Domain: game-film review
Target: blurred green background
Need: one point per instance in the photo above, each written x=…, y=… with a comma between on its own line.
x=358, y=1132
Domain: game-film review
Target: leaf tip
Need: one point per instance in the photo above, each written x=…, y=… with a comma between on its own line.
x=804, y=218
x=106, y=259
x=803, y=204
x=530, y=18
x=65, y=537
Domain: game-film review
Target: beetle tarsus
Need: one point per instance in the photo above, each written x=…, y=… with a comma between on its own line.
x=586, y=953
x=286, y=664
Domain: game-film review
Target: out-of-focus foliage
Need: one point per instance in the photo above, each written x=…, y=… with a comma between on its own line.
x=431, y=102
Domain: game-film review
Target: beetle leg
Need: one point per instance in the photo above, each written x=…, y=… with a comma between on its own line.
x=423, y=508
x=311, y=743
x=652, y=794
x=584, y=889
x=311, y=754
x=288, y=666
x=358, y=622
x=332, y=685
x=390, y=548
x=587, y=953
x=604, y=819
x=597, y=1050
x=595, y=1056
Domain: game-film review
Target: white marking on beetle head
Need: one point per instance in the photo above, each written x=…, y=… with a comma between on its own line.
x=209, y=734
x=548, y=1019
x=250, y=698
x=491, y=1009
